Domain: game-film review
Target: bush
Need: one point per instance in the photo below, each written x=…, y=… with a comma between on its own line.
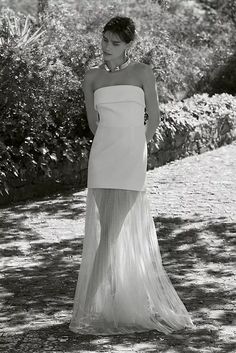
x=194, y=125
x=182, y=41
x=43, y=118
x=42, y=110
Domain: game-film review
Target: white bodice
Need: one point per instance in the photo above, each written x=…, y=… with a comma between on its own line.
x=120, y=105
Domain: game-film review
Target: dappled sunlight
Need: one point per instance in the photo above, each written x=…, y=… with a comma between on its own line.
x=29, y=319
x=40, y=256
x=39, y=277
x=41, y=249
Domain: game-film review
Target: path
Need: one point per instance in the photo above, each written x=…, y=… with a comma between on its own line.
x=193, y=202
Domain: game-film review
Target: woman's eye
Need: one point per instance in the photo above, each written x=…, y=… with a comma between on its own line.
x=115, y=44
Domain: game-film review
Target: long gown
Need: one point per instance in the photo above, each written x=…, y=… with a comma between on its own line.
x=122, y=286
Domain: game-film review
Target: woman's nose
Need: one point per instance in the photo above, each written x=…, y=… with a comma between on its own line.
x=108, y=47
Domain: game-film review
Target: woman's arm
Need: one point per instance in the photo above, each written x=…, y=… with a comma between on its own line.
x=151, y=101
x=92, y=114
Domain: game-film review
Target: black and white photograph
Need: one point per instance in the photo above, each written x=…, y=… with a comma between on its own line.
x=118, y=176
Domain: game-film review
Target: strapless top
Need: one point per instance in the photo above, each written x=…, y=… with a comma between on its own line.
x=120, y=105
x=118, y=155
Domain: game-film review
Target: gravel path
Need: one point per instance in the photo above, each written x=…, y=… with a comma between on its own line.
x=193, y=202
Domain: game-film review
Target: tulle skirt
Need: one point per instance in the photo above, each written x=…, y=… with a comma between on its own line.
x=122, y=286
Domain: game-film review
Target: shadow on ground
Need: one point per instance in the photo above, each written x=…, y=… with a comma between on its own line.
x=39, y=274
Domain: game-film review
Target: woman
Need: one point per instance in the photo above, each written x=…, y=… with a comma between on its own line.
x=122, y=286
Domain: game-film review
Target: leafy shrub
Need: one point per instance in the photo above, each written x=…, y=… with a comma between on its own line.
x=221, y=79
x=42, y=111
x=182, y=40
x=24, y=6
x=43, y=118
x=200, y=117
x=201, y=107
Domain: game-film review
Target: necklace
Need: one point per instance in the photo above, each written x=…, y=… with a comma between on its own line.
x=119, y=67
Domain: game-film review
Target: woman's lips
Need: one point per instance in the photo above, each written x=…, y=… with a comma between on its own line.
x=106, y=53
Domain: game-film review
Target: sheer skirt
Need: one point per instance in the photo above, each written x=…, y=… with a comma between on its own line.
x=122, y=286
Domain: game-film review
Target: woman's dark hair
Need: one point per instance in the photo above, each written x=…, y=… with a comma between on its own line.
x=123, y=26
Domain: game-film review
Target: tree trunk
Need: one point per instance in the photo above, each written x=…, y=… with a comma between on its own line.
x=42, y=10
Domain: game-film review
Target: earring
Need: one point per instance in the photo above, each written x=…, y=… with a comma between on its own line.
x=126, y=54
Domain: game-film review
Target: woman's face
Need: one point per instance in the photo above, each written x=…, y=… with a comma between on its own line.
x=112, y=46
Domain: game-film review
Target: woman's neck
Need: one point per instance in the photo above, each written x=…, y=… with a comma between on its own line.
x=114, y=63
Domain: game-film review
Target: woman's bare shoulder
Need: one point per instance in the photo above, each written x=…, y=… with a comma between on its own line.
x=140, y=69
x=91, y=71
x=139, y=66
x=90, y=75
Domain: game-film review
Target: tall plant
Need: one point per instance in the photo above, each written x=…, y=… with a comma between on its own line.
x=17, y=31
x=42, y=10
